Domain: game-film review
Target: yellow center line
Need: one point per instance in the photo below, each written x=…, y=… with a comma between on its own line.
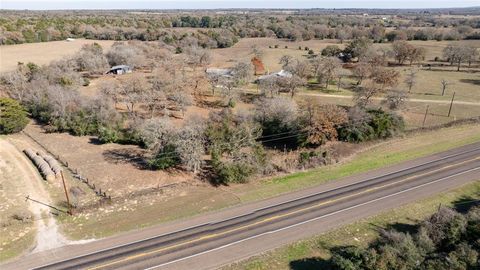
x=265, y=220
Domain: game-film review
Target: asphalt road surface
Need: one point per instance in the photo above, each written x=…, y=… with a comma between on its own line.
x=213, y=240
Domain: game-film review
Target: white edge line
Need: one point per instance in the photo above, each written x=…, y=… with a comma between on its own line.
x=307, y=221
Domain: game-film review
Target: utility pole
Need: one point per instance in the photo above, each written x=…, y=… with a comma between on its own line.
x=425, y=117
x=66, y=194
x=451, y=104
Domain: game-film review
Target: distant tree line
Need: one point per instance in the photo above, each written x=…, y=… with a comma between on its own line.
x=215, y=30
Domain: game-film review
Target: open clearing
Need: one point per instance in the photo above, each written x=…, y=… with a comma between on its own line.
x=42, y=53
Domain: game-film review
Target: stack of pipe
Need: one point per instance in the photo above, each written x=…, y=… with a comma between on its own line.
x=42, y=166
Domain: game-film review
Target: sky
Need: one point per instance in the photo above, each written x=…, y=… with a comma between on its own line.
x=214, y=4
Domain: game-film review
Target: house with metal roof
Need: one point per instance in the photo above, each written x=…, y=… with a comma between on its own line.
x=120, y=69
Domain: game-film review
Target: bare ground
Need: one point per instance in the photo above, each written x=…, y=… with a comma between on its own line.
x=25, y=181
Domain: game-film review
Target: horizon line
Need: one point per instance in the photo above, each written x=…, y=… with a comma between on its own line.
x=240, y=8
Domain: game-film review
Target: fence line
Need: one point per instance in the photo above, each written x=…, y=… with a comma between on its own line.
x=73, y=171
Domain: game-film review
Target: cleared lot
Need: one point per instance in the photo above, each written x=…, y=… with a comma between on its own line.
x=42, y=53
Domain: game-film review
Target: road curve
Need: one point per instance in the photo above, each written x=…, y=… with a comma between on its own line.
x=278, y=221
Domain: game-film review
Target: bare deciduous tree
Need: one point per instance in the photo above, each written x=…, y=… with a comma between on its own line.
x=198, y=57
x=111, y=89
x=445, y=84
x=411, y=79
x=156, y=132
x=190, y=144
x=458, y=54
x=286, y=60
x=90, y=58
x=395, y=99
x=278, y=108
x=133, y=91
x=125, y=54
x=329, y=68
x=362, y=71
x=269, y=86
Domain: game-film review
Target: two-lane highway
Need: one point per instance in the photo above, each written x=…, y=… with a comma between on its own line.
x=212, y=244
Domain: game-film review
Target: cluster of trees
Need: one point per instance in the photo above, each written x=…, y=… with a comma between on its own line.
x=51, y=93
x=13, y=117
x=235, y=141
x=139, y=108
x=446, y=240
x=458, y=54
x=222, y=30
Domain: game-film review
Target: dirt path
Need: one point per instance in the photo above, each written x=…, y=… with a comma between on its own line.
x=48, y=235
x=410, y=100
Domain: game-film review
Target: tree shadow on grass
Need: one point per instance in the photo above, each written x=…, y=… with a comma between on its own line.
x=410, y=228
x=403, y=227
x=126, y=156
x=310, y=264
x=471, y=81
x=465, y=203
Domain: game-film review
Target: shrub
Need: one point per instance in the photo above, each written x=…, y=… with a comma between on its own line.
x=164, y=159
x=239, y=169
x=232, y=172
x=108, y=135
x=371, y=124
x=13, y=117
x=385, y=124
x=311, y=52
x=331, y=51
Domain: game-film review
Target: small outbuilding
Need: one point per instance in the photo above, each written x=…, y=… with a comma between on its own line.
x=220, y=72
x=120, y=69
x=281, y=74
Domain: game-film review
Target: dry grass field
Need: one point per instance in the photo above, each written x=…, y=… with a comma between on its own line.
x=42, y=53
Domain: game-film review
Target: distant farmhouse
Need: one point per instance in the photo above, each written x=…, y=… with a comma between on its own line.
x=220, y=72
x=121, y=69
x=281, y=74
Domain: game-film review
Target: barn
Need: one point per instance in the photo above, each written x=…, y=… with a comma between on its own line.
x=121, y=69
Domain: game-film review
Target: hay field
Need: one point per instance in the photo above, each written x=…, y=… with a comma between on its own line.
x=42, y=53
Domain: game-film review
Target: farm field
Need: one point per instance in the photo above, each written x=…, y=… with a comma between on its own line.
x=42, y=53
